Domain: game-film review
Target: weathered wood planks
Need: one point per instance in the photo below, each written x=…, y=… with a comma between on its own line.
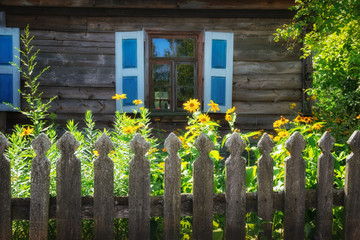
x=5, y=191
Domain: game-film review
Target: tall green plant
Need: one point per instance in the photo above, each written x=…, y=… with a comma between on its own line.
x=329, y=30
x=36, y=109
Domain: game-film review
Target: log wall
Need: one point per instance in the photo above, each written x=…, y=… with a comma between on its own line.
x=81, y=52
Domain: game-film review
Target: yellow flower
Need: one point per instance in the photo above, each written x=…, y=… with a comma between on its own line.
x=279, y=123
x=152, y=150
x=96, y=153
x=186, y=146
x=181, y=138
x=119, y=96
x=27, y=132
x=192, y=105
x=230, y=111
x=298, y=119
x=313, y=97
x=215, y=154
x=142, y=108
x=358, y=117
x=137, y=101
x=292, y=105
x=157, y=119
x=164, y=149
x=317, y=126
x=283, y=133
x=228, y=117
x=214, y=106
x=128, y=129
x=203, y=118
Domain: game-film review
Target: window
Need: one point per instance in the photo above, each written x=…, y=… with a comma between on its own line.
x=173, y=70
x=9, y=75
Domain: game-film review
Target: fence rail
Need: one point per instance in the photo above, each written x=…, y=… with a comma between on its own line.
x=69, y=208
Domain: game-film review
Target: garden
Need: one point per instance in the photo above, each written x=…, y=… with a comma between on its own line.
x=333, y=41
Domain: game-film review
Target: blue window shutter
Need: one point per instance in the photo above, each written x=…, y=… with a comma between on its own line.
x=9, y=74
x=218, y=69
x=129, y=51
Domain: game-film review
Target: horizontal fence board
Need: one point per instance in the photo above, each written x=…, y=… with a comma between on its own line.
x=246, y=95
x=266, y=81
x=20, y=207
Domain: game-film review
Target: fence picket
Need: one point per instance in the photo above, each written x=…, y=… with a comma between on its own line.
x=294, y=213
x=352, y=189
x=40, y=187
x=172, y=188
x=235, y=167
x=104, y=209
x=265, y=184
x=5, y=191
x=325, y=181
x=139, y=190
x=203, y=189
x=68, y=189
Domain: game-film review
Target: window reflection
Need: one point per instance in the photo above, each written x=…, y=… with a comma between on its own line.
x=161, y=77
x=162, y=47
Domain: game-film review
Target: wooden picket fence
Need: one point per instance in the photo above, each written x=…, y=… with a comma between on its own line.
x=69, y=207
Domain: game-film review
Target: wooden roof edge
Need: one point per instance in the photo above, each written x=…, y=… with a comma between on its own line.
x=157, y=4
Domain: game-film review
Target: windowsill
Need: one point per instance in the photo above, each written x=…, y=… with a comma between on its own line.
x=160, y=114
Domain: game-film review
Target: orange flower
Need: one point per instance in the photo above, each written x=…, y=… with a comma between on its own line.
x=228, y=117
x=214, y=106
x=230, y=111
x=192, y=105
x=96, y=153
x=27, y=132
x=137, y=101
x=358, y=117
x=119, y=96
x=203, y=118
x=128, y=129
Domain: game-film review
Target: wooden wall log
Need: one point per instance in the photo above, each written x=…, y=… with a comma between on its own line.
x=279, y=108
x=266, y=81
x=40, y=187
x=5, y=190
x=246, y=95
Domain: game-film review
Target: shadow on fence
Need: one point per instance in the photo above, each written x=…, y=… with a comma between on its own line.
x=69, y=208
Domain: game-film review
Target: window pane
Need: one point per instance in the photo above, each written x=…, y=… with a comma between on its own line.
x=162, y=96
x=6, y=88
x=129, y=48
x=6, y=49
x=183, y=95
x=218, y=54
x=185, y=75
x=184, y=47
x=161, y=74
x=162, y=47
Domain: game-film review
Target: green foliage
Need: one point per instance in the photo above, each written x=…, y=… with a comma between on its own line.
x=36, y=109
x=329, y=30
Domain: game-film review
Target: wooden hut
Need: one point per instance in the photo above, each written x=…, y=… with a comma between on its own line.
x=160, y=51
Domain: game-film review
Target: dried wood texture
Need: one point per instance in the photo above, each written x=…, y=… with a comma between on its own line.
x=265, y=184
x=5, y=191
x=68, y=189
x=235, y=189
x=40, y=187
x=139, y=190
x=172, y=188
x=203, y=189
x=104, y=210
x=352, y=189
x=163, y=4
x=325, y=182
x=294, y=212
